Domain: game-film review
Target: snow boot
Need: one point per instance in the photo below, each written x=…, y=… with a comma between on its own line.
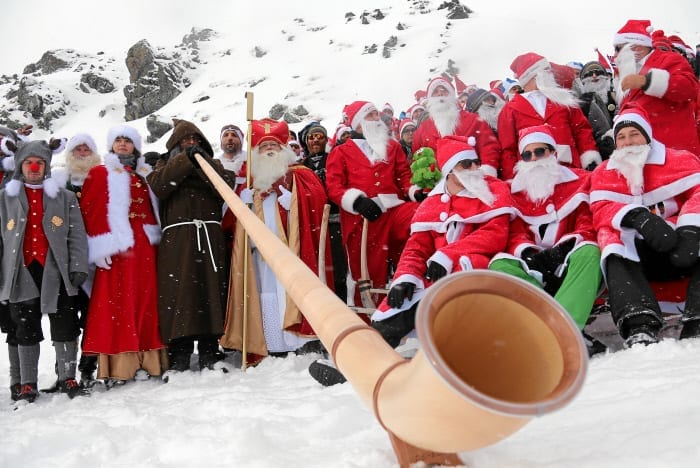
x=691, y=329
x=15, y=390
x=594, y=345
x=314, y=346
x=643, y=334
x=28, y=393
x=325, y=373
x=72, y=388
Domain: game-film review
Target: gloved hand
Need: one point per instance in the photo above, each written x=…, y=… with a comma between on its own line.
x=553, y=257
x=685, y=253
x=285, y=199
x=191, y=151
x=656, y=232
x=367, y=208
x=77, y=278
x=399, y=292
x=104, y=262
x=246, y=196
x=420, y=196
x=435, y=271
x=530, y=258
x=592, y=166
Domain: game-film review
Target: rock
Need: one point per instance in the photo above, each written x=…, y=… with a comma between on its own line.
x=455, y=10
x=100, y=84
x=277, y=111
x=259, y=52
x=156, y=128
x=197, y=35
x=48, y=63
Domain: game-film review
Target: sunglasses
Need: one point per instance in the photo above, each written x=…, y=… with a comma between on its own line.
x=537, y=152
x=315, y=137
x=467, y=163
x=193, y=138
x=594, y=72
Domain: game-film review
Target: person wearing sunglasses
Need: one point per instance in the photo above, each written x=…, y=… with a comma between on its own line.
x=459, y=227
x=544, y=101
x=646, y=209
x=597, y=101
x=661, y=82
x=552, y=243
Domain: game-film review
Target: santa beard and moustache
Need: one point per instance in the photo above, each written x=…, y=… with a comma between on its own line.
x=600, y=87
x=490, y=113
x=630, y=163
x=474, y=183
x=78, y=168
x=377, y=135
x=444, y=111
x=539, y=177
x=269, y=167
x=548, y=86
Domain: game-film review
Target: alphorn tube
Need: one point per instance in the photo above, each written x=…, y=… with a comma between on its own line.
x=495, y=351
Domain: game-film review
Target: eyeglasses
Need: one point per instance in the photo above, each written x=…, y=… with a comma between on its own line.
x=618, y=48
x=467, y=163
x=193, y=138
x=538, y=153
x=315, y=137
x=594, y=72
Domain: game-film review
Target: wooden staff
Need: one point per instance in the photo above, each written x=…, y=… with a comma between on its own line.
x=322, y=243
x=249, y=138
x=364, y=284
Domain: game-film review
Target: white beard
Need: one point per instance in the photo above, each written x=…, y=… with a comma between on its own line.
x=444, y=111
x=78, y=168
x=630, y=163
x=377, y=135
x=600, y=87
x=475, y=184
x=490, y=113
x=268, y=167
x=539, y=177
x=626, y=64
x=552, y=91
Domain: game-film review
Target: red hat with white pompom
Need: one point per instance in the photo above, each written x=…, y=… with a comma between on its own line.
x=634, y=32
x=453, y=149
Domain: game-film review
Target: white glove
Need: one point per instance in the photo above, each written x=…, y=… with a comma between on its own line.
x=285, y=200
x=104, y=262
x=246, y=196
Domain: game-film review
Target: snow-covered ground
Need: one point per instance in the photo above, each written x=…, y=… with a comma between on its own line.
x=638, y=407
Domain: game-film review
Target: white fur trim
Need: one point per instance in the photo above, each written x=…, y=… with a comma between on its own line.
x=60, y=175
x=658, y=83
x=81, y=139
x=412, y=192
x=123, y=130
x=142, y=167
x=101, y=246
x=534, y=70
x=61, y=146
x=489, y=170
x=5, y=149
x=632, y=38
x=633, y=117
x=536, y=137
x=12, y=188
x=440, y=81
x=589, y=157
x=51, y=187
x=8, y=163
x=361, y=114
x=349, y=198
x=442, y=259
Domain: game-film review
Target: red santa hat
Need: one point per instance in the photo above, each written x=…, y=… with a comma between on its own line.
x=419, y=95
x=527, y=66
x=406, y=123
x=355, y=113
x=388, y=107
x=460, y=86
x=440, y=81
x=414, y=108
x=452, y=149
x=535, y=134
x=633, y=115
x=269, y=130
x=634, y=32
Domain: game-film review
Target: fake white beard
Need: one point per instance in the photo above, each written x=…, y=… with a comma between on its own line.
x=78, y=168
x=552, y=91
x=630, y=163
x=600, y=87
x=444, y=111
x=539, y=177
x=626, y=64
x=490, y=113
x=268, y=167
x=474, y=182
x=377, y=135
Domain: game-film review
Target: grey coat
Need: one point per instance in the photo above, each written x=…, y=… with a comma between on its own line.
x=65, y=232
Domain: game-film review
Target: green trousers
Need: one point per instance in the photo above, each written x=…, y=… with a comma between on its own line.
x=581, y=282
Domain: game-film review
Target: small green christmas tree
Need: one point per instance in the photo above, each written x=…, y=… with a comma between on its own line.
x=424, y=169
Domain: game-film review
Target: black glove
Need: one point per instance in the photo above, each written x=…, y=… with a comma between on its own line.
x=399, y=292
x=367, y=208
x=77, y=278
x=435, y=271
x=553, y=257
x=592, y=166
x=420, y=196
x=656, y=232
x=685, y=254
x=533, y=261
x=606, y=145
x=192, y=150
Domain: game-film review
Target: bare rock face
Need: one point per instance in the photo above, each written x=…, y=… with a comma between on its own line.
x=98, y=83
x=48, y=63
x=157, y=126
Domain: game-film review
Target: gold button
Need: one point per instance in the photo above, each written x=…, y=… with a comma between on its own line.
x=377, y=183
x=376, y=174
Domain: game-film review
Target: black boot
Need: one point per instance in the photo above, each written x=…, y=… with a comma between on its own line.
x=87, y=367
x=71, y=388
x=28, y=393
x=209, y=353
x=325, y=373
x=642, y=328
x=15, y=390
x=179, y=352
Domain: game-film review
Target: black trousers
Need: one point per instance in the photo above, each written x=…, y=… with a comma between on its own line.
x=396, y=327
x=26, y=316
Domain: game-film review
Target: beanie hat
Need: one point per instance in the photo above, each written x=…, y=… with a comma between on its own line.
x=231, y=127
x=453, y=149
x=591, y=66
x=269, y=130
x=440, y=81
x=475, y=99
x=316, y=128
x=356, y=112
x=535, y=134
x=636, y=32
x=404, y=124
x=81, y=139
x=527, y=66
x=633, y=116
x=507, y=84
x=124, y=131
x=38, y=148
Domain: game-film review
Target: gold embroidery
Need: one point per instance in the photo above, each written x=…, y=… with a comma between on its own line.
x=137, y=215
x=57, y=222
x=11, y=225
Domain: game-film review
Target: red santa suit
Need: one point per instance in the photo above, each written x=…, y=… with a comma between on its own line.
x=460, y=232
x=671, y=190
x=120, y=214
x=670, y=99
x=573, y=134
x=350, y=174
x=487, y=146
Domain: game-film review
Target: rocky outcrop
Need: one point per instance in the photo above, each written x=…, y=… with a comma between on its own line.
x=92, y=81
x=157, y=127
x=48, y=63
x=282, y=111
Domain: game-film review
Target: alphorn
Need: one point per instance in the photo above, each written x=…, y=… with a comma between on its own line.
x=495, y=352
